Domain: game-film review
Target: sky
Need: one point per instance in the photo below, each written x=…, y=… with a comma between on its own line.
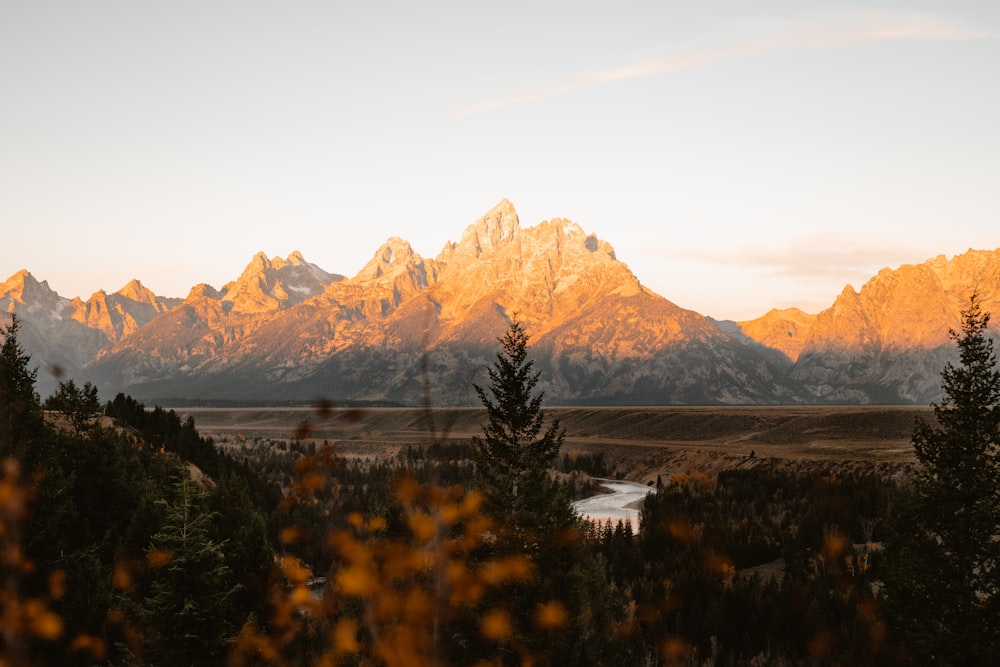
x=738, y=156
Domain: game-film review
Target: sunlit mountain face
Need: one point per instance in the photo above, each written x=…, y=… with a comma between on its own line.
x=412, y=330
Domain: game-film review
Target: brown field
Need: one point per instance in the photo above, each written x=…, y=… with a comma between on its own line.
x=641, y=441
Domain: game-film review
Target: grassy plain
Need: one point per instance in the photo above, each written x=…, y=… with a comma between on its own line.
x=641, y=442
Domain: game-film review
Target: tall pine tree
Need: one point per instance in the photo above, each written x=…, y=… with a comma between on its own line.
x=20, y=412
x=942, y=575
x=514, y=456
x=189, y=613
x=567, y=614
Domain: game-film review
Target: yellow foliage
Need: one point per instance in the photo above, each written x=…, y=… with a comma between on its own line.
x=551, y=615
x=42, y=622
x=22, y=620
x=496, y=625
x=390, y=598
x=683, y=531
x=674, y=650
x=294, y=570
x=300, y=596
x=345, y=637
x=85, y=643
x=835, y=543
x=355, y=581
x=57, y=584
x=158, y=558
x=290, y=535
x=122, y=577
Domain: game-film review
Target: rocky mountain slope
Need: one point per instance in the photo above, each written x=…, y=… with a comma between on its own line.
x=65, y=335
x=410, y=329
x=781, y=330
x=888, y=342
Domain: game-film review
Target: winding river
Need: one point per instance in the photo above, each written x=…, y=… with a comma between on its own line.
x=620, y=503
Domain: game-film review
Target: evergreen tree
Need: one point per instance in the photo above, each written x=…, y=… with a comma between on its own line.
x=78, y=404
x=20, y=415
x=941, y=579
x=512, y=460
x=567, y=614
x=241, y=524
x=189, y=612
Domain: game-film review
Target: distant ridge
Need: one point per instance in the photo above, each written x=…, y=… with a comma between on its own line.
x=408, y=330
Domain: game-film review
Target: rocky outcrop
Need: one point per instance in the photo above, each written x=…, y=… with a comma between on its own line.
x=64, y=335
x=394, y=275
x=120, y=314
x=497, y=228
x=22, y=292
x=268, y=285
x=889, y=342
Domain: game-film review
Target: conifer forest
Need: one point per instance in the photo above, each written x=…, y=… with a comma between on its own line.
x=128, y=538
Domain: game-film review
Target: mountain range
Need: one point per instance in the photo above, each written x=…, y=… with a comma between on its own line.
x=413, y=330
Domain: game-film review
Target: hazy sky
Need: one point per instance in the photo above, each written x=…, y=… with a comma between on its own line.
x=739, y=156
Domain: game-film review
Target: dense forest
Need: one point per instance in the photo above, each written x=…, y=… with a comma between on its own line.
x=130, y=539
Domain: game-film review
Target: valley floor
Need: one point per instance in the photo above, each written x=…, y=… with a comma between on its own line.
x=641, y=442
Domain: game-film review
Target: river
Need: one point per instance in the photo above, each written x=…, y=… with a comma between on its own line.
x=617, y=505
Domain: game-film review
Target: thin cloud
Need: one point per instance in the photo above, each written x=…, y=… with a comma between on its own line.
x=816, y=258
x=847, y=28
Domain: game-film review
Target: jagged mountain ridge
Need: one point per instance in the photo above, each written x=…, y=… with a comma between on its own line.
x=66, y=334
x=404, y=323
x=889, y=341
x=886, y=343
x=409, y=329
x=268, y=285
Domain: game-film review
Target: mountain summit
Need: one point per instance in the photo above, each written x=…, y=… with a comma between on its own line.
x=65, y=335
x=408, y=329
x=498, y=227
x=404, y=325
x=273, y=284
